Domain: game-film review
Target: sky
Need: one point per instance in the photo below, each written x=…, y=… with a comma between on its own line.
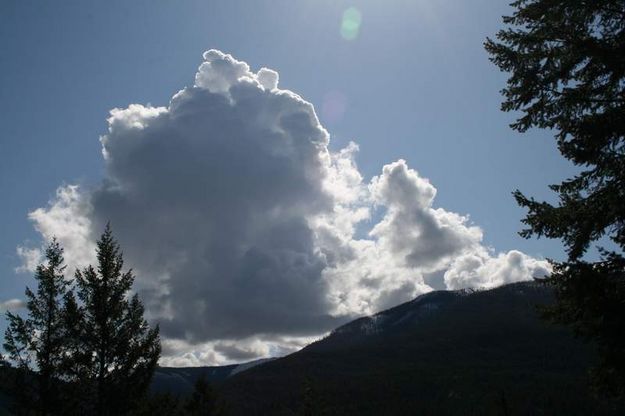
x=271, y=169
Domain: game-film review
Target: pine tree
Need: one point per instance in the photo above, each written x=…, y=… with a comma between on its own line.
x=37, y=342
x=75, y=368
x=203, y=400
x=120, y=349
x=567, y=65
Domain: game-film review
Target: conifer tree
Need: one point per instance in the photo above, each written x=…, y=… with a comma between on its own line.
x=120, y=350
x=75, y=368
x=567, y=65
x=203, y=400
x=37, y=342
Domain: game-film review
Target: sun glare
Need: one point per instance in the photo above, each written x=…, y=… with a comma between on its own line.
x=350, y=25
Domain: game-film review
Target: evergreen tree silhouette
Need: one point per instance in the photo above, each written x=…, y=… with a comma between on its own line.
x=76, y=367
x=119, y=349
x=36, y=344
x=567, y=65
x=203, y=401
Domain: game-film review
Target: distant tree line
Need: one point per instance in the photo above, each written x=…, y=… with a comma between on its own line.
x=203, y=401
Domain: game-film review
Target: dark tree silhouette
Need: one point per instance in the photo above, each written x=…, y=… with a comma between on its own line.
x=203, y=400
x=120, y=350
x=311, y=401
x=159, y=404
x=37, y=342
x=77, y=391
x=567, y=65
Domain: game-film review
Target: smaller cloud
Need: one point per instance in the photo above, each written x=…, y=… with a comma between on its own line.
x=67, y=219
x=421, y=236
x=180, y=353
x=11, y=305
x=30, y=259
x=481, y=270
x=242, y=352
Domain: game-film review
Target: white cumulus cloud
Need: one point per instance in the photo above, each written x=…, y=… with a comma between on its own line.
x=242, y=225
x=481, y=269
x=68, y=219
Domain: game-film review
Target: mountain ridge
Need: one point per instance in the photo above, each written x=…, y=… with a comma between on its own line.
x=445, y=352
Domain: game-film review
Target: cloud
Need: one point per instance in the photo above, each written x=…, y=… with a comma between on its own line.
x=482, y=270
x=216, y=193
x=245, y=230
x=180, y=353
x=30, y=257
x=424, y=237
x=68, y=219
x=12, y=304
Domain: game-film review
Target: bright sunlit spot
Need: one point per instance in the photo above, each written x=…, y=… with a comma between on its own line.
x=350, y=25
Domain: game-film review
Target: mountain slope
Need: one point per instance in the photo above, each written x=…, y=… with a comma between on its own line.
x=181, y=380
x=448, y=353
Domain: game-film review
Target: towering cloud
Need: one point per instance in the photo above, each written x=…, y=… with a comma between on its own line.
x=241, y=224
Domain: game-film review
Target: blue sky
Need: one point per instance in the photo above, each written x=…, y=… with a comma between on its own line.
x=414, y=84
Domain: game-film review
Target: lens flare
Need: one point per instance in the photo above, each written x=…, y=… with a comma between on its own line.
x=350, y=25
x=333, y=107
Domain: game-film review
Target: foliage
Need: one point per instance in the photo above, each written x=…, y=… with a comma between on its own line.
x=87, y=350
x=39, y=339
x=566, y=60
x=203, y=400
x=119, y=349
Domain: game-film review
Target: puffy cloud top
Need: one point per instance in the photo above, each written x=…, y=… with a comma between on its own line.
x=220, y=71
x=268, y=78
x=427, y=238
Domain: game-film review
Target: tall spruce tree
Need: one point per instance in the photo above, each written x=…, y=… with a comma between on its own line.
x=567, y=65
x=37, y=343
x=120, y=350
